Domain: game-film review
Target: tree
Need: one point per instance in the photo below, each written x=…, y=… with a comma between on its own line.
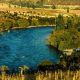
x=68, y=10
x=65, y=39
x=8, y=25
x=53, y=7
x=3, y=26
x=45, y=65
x=63, y=64
x=30, y=21
x=3, y=71
x=9, y=5
x=46, y=62
x=23, y=69
x=69, y=23
x=60, y=22
x=23, y=23
x=39, y=4
x=34, y=22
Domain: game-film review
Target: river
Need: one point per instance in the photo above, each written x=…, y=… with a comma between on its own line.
x=26, y=47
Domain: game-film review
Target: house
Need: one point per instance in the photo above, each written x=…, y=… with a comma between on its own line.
x=68, y=51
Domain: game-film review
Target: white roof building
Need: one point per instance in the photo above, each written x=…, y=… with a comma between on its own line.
x=68, y=51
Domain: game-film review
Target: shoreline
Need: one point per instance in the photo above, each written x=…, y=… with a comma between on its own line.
x=28, y=27
x=34, y=26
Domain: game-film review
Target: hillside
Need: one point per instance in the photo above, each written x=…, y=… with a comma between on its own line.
x=57, y=2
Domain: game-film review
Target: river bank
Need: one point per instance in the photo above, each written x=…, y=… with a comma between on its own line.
x=39, y=26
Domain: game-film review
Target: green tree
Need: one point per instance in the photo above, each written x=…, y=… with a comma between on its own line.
x=8, y=25
x=9, y=5
x=65, y=39
x=3, y=27
x=23, y=23
x=53, y=7
x=69, y=23
x=3, y=71
x=60, y=22
x=34, y=22
x=23, y=69
x=46, y=63
x=68, y=10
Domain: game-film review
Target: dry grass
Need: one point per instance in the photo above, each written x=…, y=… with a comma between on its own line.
x=57, y=75
x=38, y=11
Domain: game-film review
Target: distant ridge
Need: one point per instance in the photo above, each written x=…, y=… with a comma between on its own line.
x=65, y=2
x=56, y=2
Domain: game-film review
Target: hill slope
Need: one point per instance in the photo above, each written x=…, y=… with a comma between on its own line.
x=62, y=2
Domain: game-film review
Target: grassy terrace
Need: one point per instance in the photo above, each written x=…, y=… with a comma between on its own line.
x=41, y=11
x=47, y=12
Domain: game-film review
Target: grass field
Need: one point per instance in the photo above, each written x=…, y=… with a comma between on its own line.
x=39, y=11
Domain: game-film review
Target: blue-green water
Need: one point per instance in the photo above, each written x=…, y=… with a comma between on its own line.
x=26, y=47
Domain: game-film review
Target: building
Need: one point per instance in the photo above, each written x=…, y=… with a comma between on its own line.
x=68, y=51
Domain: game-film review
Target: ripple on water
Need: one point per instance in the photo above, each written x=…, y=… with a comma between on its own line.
x=26, y=47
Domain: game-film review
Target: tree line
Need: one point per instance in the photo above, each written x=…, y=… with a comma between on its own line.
x=67, y=33
x=9, y=21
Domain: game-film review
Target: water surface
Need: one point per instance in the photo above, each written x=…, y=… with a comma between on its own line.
x=26, y=47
